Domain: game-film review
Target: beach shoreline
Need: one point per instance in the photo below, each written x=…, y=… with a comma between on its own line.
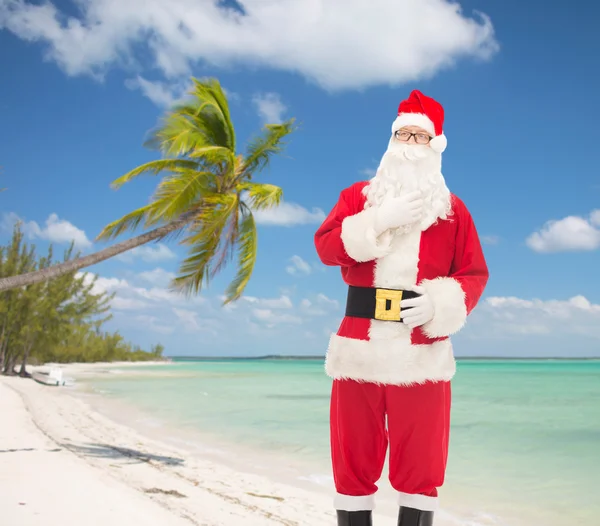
x=159, y=479
x=191, y=474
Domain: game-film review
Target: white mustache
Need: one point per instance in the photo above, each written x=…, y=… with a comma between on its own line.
x=409, y=152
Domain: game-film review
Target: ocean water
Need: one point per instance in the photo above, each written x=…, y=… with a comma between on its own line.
x=525, y=435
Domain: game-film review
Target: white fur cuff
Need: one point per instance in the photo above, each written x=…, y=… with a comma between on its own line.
x=354, y=503
x=448, y=300
x=360, y=240
x=419, y=502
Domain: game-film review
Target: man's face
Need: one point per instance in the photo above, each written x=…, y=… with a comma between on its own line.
x=412, y=135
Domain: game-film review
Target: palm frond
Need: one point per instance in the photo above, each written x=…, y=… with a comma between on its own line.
x=211, y=92
x=156, y=167
x=200, y=195
x=247, y=251
x=130, y=221
x=209, y=223
x=225, y=251
x=194, y=271
x=214, y=155
x=210, y=121
x=202, y=120
x=178, y=135
x=179, y=193
x=262, y=148
x=261, y=196
x=211, y=216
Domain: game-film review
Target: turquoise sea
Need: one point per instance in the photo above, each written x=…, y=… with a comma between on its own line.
x=525, y=435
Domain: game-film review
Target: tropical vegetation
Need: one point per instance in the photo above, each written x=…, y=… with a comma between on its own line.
x=60, y=320
x=206, y=195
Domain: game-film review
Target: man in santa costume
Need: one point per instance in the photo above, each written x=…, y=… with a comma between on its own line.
x=412, y=260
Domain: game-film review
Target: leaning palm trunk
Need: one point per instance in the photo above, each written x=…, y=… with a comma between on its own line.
x=46, y=274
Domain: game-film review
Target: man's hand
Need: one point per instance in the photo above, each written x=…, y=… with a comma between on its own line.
x=421, y=310
x=398, y=211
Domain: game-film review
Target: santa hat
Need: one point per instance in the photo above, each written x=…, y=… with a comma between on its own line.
x=423, y=111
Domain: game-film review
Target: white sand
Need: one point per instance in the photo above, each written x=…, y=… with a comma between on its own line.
x=63, y=463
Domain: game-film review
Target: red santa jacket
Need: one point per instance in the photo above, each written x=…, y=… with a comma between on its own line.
x=446, y=259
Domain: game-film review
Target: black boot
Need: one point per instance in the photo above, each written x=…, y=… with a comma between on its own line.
x=414, y=517
x=354, y=518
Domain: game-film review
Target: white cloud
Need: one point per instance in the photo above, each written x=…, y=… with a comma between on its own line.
x=124, y=299
x=56, y=230
x=163, y=94
x=188, y=318
x=148, y=253
x=119, y=303
x=508, y=315
x=152, y=323
x=129, y=296
x=500, y=325
x=320, y=306
x=553, y=308
x=570, y=234
x=232, y=96
x=368, y=172
x=192, y=322
x=272, y=318
x=266, y=320
x=270, y=108
x=158, y=276
x=288, y=214
x=164, y=295
x=324, y=300
x=298, y=266
x=490, y=240
x=266, y=310
x=166, y=93
x=319, y=40
x=283, y=302
x=103, y=284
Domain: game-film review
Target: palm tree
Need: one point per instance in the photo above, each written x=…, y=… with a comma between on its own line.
x=206, y=196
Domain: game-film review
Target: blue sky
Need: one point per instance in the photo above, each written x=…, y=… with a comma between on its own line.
x=82, y=84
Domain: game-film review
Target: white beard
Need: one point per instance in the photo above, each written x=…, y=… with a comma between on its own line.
x=408, y=167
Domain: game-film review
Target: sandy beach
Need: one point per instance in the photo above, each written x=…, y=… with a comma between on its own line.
x=62, y=463
x=76, y=455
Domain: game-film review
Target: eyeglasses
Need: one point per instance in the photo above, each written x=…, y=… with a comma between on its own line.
x=404, y=136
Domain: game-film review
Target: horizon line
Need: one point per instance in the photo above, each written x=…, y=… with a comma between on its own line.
x=322, y=357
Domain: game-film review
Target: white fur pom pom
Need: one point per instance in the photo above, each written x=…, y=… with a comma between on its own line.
x=438, y=144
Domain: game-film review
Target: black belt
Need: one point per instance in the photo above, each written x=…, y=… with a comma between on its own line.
x=376, y=304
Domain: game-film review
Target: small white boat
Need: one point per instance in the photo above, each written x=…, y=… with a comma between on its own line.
x=54, y=376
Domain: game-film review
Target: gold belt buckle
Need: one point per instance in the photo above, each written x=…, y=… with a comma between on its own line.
x=382, y=296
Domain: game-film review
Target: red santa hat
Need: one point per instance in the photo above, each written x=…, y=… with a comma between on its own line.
x=423, y=111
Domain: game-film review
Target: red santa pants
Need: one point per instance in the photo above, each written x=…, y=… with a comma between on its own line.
x=417, y=432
